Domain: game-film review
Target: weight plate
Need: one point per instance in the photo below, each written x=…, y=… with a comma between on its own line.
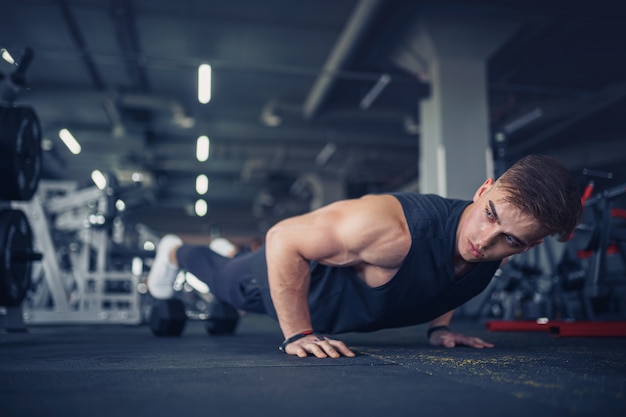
x=20, y=153
x=16, y=245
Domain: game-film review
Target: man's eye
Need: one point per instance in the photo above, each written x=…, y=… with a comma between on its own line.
x=512, y=241
x=488, y=213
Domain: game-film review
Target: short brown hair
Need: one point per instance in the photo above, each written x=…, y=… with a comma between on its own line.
x=540, y=186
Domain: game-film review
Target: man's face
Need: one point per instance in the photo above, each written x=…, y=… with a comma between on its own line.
x=492, y=229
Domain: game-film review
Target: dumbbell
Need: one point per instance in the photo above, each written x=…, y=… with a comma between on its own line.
x=168, y=318
x=223, y=319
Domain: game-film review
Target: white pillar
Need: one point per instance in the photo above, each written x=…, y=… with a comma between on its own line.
x=455, y=131
x=454, y=140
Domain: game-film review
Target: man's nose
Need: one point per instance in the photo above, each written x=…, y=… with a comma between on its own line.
x=488, y=237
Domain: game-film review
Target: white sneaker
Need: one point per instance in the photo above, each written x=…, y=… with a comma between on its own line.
x=163, y=272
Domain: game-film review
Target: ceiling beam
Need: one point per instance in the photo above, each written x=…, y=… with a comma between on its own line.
x=585, y=109
x=79, y=43
x=123, y=15
x=349, y=40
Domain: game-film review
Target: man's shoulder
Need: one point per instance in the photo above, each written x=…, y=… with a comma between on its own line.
x=428, y=201
x=430, y=211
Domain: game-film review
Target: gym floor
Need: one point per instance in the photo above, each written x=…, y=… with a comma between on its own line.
x=111, y=370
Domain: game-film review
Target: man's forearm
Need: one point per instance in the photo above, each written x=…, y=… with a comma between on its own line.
x=291, y=308
x=288, y=278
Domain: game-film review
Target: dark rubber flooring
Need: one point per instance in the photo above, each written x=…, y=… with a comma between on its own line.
x=107, y=370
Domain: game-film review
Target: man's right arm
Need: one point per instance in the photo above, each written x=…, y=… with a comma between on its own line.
x=289, y=246
x=341, y=234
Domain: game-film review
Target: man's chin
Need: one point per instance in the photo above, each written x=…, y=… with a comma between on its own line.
x=471, y=259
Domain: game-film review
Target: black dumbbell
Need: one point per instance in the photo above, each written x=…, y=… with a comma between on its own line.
x=223, y=319
x=168, y=317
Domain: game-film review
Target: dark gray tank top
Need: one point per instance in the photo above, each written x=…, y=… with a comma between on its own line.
x=424, y=287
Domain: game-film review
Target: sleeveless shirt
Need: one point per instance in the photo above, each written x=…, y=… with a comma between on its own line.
x=423, y=288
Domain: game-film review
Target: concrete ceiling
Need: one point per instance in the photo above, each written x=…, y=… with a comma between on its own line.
x=288, y=81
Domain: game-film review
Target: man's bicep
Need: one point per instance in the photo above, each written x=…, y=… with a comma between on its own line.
x=329, y=235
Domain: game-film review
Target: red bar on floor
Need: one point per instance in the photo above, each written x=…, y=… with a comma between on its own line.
x=562, y=328
x=517, y=326
x=589, y=329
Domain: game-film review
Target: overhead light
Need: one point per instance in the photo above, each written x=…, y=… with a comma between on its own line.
x=378, y=88
x=99, y=179
x=201, y=208
x=327, y=151
x=7, y=56
x=523, y=121
x=204, y=83
x=202, y=184
x=202, y=148
x=69, y=141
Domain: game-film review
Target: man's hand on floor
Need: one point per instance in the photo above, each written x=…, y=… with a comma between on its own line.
x=449, y=339
x=320, y=347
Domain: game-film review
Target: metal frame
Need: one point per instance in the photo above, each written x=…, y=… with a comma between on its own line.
x=87, y=292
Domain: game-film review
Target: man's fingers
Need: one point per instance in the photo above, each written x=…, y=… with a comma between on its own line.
x=479, y=343
x=303, y=350
x=342, y=348
x=451, y=340
x=328, y=349
x=475, y=342
x=319, y=348
x=449, y=343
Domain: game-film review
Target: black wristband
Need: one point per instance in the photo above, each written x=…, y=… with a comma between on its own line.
x=293, y=339
x=436, y=328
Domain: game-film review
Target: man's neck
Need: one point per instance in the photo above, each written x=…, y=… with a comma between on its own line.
x=462, y=267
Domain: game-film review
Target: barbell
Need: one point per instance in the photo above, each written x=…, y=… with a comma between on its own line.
x=20, y=170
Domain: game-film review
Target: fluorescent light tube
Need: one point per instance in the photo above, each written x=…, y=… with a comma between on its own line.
x=99, y=179
x=202, y=148
x=201, y=208
x=204, y=83
x=69, y=141
x=202, y=184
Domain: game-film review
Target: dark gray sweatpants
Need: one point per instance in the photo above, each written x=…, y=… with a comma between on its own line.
x=230, y=280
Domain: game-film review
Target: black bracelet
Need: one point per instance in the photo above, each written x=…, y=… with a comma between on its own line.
x=436, y=328
x=293, y=339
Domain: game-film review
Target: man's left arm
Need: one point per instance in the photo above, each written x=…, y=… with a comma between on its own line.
x=439, y=334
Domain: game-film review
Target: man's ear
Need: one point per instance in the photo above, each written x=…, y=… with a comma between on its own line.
x=483, y=189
